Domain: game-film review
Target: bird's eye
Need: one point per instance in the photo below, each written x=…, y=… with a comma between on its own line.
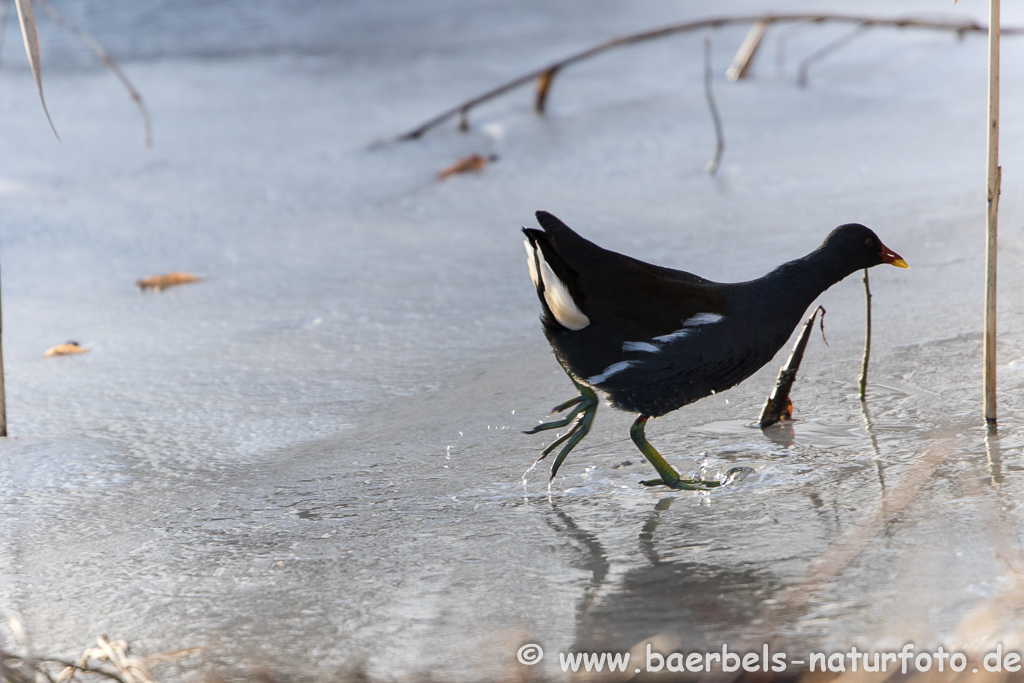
x=868, y=241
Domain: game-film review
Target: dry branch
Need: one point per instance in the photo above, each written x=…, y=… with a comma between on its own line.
x=548, y=72
x=778, y=405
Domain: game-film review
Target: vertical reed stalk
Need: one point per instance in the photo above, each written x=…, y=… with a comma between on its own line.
x=863, y=383
x=3, y=393
x=994, y=173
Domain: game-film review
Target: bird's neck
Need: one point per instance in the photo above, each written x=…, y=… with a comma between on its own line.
x=800, y=282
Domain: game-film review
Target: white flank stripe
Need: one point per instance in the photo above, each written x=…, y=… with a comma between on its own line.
x=695, y=321
x=702, y=319
x=530, y=262
x=678, y=334
x=612, y=369
x=640, y=346
x=557, y=296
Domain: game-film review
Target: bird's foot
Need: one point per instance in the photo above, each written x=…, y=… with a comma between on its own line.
x=684, y=484
x=581, y=417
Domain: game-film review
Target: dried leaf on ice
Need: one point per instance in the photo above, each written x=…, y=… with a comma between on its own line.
x=66, y=349
x=470, y=164
x=171, y=279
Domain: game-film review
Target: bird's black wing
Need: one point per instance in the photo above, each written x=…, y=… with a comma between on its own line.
x=625, y=300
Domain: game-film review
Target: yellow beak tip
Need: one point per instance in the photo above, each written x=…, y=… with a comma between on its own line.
x=899, y=263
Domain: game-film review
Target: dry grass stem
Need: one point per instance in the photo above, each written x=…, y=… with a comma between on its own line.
x=107, y=660
x=741, y=63
x=994, y=182
x=98, y=50
x=30, y=34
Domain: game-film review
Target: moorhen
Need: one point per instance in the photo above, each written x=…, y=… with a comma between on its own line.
x=655, y=339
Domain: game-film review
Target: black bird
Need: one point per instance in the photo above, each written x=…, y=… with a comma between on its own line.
x=655, y=339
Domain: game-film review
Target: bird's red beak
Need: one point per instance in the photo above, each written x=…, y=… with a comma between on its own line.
x=891, y=257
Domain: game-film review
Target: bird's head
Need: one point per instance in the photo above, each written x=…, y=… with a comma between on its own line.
x=861, y=247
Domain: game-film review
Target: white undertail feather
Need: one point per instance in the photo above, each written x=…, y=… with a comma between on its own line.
x=530, y=261
x=612, y=369
x=558, y=299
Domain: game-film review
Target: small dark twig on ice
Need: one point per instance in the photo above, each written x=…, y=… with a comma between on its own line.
x=778, y=406
x=719, y=139
x=863, y=383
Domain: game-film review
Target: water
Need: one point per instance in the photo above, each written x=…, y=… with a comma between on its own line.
x=311, y=461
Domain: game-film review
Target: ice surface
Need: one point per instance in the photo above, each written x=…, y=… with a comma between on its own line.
x=311, y=460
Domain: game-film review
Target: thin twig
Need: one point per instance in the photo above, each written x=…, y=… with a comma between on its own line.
x=778, y=406
x=863, y=382
x=719, y=138
x=823, y=52
x=100, y=53
x=959, y=27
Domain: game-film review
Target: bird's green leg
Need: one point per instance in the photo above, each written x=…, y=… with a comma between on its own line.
x=669, y=476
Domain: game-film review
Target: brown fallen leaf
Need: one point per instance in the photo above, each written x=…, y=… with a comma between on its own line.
x=171, y=279
x=470, y=164
x=65, y=349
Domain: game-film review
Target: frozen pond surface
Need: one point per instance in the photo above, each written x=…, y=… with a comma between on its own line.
x=310, y=462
